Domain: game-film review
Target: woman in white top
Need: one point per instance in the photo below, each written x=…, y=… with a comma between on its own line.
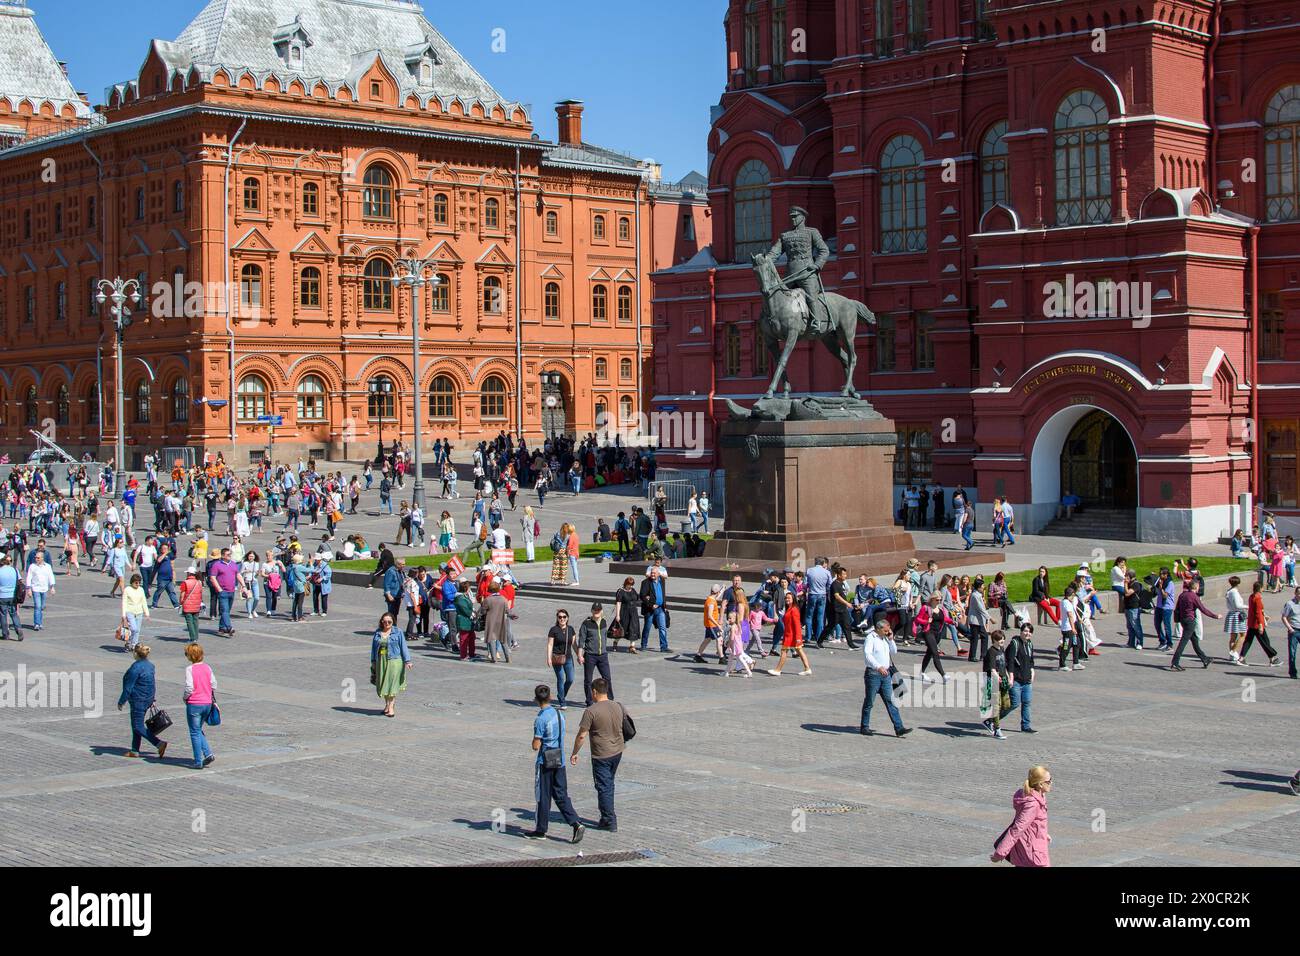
x=528, y=524
x=273, y=573
x=1234, y=621
x=693, y=512
x=241, y=522
x=250, y=579
x=417, y=521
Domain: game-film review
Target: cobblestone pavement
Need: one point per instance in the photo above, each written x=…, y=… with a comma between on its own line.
x=1151, y=767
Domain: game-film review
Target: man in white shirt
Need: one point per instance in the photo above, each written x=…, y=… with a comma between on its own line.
x=40, y=582
x=146, y=558
x=877, y=647
x=497, y=537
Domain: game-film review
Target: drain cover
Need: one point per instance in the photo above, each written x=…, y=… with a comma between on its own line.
x=829, y=808
x=625, y=856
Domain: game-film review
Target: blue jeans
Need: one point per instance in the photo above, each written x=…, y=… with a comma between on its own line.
x=882, y=685
x=196, y=715
x=138, y=728
x=9, y=615
x=168, y=588
x=224, y=601
x=1022, y=695
x=655, y=618
x=1293, y=647
x=563, y=678
x=133, y=623
x=815, y=606
x=552, y=785
x=573, y=568
x=1133, y=618
x=38, y=607
x=704, y=521
x=603, y=770
x=966, y=536
x=695, y=523
x=1164, y=626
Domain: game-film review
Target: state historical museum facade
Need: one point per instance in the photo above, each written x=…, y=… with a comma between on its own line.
x=986, y=173
x=287, y=153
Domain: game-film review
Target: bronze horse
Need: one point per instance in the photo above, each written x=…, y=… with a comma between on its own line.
x=785, y=323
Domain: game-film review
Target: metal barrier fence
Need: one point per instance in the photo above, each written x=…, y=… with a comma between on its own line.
x=679, y=491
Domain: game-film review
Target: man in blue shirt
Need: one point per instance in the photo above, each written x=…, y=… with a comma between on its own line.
x=550, y=781
x=653, y=597
x=818, y=580
x=8, y=603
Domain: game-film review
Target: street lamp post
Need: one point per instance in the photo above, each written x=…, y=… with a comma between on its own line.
x=417, y=280
x=123, y=293
x=379, y=391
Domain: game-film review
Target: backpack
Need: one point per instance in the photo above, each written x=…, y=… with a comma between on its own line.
x=20, y=590
x=557, y=542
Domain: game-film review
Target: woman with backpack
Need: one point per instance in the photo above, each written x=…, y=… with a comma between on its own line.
x=1025, y=842
x=531, y=529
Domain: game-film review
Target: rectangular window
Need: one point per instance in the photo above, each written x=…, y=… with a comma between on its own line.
x=885, y=360
x=912, y=455
x=1280, y=463
x=923, y=347
x=884, y=28
x=688, y=227
x=29, y=304
x=1271, y=326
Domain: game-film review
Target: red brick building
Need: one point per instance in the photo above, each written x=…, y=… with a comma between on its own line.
x=272, y=164
x=974, y=164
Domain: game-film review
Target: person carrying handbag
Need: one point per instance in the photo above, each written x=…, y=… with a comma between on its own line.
x=200, y=704
x=139, y=687
x=559, y=654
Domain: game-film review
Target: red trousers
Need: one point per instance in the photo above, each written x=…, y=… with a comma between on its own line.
x=467, y=648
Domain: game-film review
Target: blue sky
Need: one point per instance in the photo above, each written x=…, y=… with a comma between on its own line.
x=648, y=74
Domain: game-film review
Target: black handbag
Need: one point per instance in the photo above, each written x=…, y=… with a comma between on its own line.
x=552, y=758
x=629, y=728
x=157, y=721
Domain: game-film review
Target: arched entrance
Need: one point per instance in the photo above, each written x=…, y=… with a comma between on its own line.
x=1085, y=450
x=1098, y=463
x=556, y=408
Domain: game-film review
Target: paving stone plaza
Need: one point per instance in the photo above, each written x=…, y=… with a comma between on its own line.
x=1151, y=767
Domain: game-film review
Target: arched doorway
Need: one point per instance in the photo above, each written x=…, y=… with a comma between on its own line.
x=556, y=408
x=1098, y=463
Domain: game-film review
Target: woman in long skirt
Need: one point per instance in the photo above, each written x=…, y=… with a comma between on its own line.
x=560, y=560
x=390, y=659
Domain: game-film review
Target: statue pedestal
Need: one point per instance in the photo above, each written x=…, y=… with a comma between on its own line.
x=797, y=490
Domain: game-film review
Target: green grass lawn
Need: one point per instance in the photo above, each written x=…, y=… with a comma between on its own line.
x=543, y=555
x=1018, y=583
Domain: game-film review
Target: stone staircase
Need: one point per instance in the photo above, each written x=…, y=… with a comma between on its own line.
x=1105, y=524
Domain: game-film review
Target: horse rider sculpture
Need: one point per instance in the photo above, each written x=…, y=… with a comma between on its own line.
x=806, y=254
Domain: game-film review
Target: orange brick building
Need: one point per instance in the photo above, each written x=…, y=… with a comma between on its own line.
x=291, y=151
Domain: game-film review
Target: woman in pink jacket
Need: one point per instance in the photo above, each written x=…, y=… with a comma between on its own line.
x=1024, y=843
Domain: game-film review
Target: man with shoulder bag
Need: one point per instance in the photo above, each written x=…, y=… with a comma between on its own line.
x=551, y=781
x=604, y=721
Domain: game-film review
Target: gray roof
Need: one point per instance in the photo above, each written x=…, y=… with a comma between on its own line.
x=587, y=156
x=340, y=39
x=28, y=67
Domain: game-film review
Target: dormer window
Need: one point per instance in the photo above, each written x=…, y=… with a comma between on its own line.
x=295, y=56
x=291, y=43
x=426, y=72
x=420, y=60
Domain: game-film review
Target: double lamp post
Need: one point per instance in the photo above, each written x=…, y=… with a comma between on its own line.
x=123, y=293
x=413, y=275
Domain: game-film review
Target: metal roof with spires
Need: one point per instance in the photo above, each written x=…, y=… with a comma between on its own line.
x=29, y=70
x=237, y=35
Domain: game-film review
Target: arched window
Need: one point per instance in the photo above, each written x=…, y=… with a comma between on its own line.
x=441, y=209
x=602, y=413
x=178, y=196
x=309, y=288
x=780, y=42
x=92, y=405
x=179, y=399
x=1082, y=159
x=625, y=303
x=492, y=299
x=552, y=223
x=602, y=369
x=625, y=370
x=600, y=303
x=382, y=398
x=440, y=293
x=752, y=43
x=139, y=205
x=252, y=194
x=902, y=196
x=31, y=408
x=377, y=193
x=142, y=408
x=1282, y=155
x=442, y=398
x=250, y=286
x=377, y=286
x=310, y=199
x=624, y=229
x=598, y=227
x=311, y=399
x=753, y=199
x=250, y=398
x=492, y=398
x=61, y=406
x=993, y=166
x=551, y=300
x=731, y=351
x=625, y=409
x=492, y=214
